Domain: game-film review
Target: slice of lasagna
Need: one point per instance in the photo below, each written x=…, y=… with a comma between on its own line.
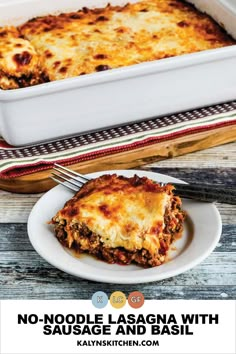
x=121, y=220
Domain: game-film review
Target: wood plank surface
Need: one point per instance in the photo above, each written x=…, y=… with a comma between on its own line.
x=25, y=274
x=40, y=181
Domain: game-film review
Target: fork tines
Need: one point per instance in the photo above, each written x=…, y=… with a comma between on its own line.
x=68, y=178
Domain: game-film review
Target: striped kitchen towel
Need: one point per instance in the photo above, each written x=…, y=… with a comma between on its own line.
x=19, y=161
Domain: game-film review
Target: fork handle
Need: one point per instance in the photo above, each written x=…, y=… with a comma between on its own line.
x=206, y=193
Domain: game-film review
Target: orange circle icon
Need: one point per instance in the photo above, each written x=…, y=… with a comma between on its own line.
x=136, y=299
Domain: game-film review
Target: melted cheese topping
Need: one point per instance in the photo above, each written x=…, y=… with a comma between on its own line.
x=122, y=213
x=95, y=40
x=87, y=41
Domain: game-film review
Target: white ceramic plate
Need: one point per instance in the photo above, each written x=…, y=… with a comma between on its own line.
x=201, y=233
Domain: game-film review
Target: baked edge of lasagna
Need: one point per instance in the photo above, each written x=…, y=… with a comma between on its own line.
x=147, y=246
x=20, y=64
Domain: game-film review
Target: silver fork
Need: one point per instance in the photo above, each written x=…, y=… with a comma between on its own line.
x=68, y=178
x=202, y=192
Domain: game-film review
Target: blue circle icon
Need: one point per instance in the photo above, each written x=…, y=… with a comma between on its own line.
x=100, y=299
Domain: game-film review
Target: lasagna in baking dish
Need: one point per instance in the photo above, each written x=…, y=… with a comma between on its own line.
x=121, y=220
x=60, y=46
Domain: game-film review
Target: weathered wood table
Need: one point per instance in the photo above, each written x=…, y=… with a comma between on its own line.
x=25, y=275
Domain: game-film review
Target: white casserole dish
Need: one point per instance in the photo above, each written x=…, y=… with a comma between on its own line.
x=118, y=96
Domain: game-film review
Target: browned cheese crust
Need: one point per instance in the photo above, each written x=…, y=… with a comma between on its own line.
x=56, y=47
x=121, y=220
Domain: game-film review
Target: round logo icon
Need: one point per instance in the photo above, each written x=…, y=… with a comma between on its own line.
x=118, y=299
x=100, y=299
x=136, y=299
